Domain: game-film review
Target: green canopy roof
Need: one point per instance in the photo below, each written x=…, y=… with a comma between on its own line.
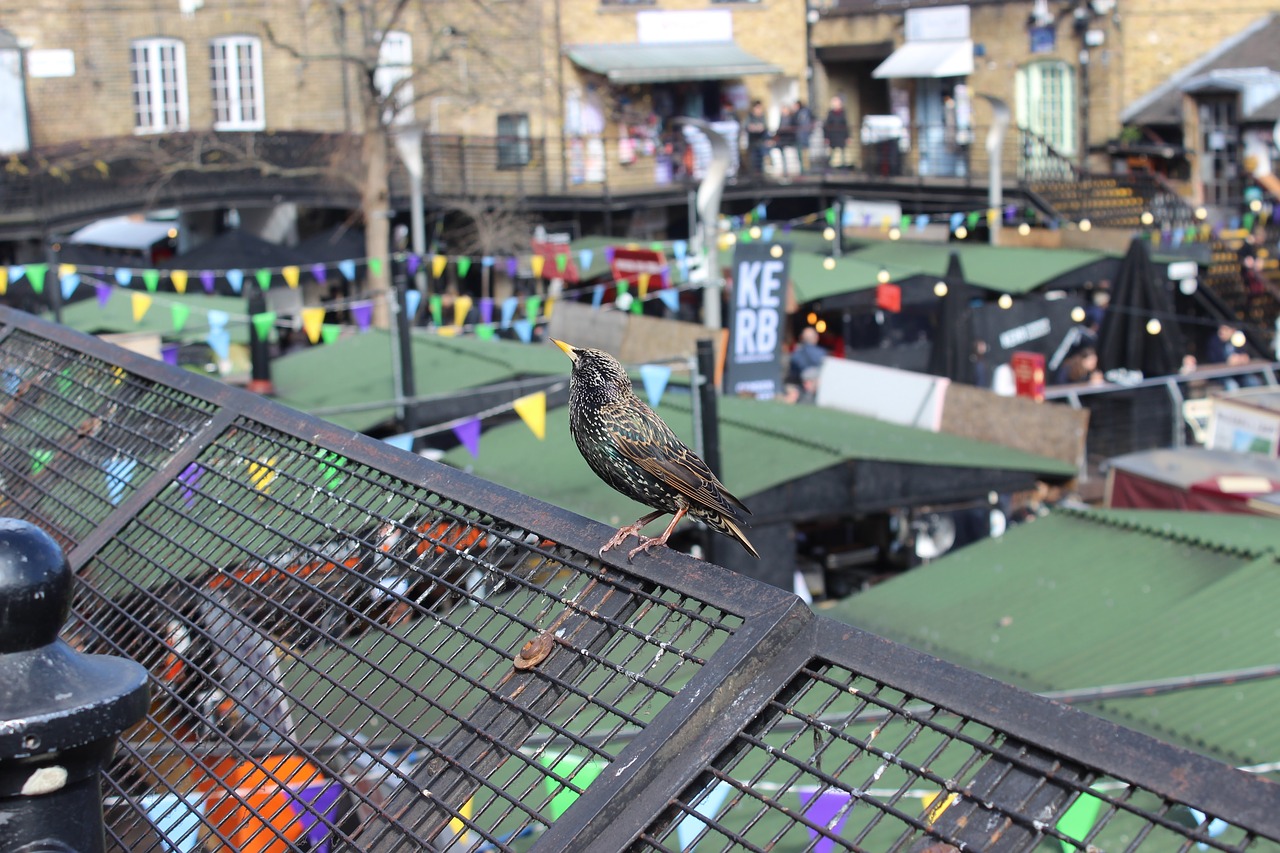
x=1088, y=599
x=1008, y=269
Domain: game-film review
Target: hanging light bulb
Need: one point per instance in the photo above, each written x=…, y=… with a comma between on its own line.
x=1153, y=326
x=1255, y=205
x=775, y=251
x=1147, y=218
x=962, y=232
x=1237, y=340
x=811, y=318
x=828, y=233
x=1077, y=314
x=883, y=276
x=1024, y=229
x=1201, y=213
x=820, y=326
x=1085, y=225
x=1005, y=301
x=940, y=289
x=895, y=234
x=828, y=263
x=755, y=232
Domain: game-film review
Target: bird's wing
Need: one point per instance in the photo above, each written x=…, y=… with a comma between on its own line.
x=655, y=448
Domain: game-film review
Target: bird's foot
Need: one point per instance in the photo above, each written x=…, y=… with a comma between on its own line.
x=646, y=542
x=621, y=536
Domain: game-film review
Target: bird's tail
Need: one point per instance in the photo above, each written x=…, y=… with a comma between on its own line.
x=728, y=527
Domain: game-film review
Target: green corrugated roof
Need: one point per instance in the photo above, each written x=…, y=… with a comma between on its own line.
x=1085, y=599
x=358, y=369
x=1008, y=269
x=762, y=445
x=117, y=315
x=848, y=274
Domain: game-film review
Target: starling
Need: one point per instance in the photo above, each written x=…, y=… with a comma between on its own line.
x=630, y=448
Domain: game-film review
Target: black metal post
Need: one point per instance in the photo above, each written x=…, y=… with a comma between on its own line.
x=709, y=424
x=259, y=347
x=404, y=323
x=60, y=711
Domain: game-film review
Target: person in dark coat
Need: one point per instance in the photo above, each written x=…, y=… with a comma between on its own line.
x=835, y=127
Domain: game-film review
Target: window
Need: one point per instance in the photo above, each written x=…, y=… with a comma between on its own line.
x=513, y=140
x=1047, y=103
x=235, y=72
x=394, y=77
x=159, y=71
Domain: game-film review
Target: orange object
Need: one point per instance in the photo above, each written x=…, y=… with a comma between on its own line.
x=249, y=809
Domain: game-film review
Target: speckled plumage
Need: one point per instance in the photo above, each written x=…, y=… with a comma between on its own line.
x=630, y=448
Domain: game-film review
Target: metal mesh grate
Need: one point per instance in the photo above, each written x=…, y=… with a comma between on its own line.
x=354, y=648
x=841, y=762
x=311, y=621
x=80, y=435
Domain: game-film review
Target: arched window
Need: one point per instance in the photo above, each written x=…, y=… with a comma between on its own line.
x=1046, y=103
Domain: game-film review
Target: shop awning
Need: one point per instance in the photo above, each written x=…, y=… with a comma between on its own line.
x=669, y=62
x=940, y=58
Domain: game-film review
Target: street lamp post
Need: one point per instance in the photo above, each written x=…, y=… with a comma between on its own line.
x=408, y=139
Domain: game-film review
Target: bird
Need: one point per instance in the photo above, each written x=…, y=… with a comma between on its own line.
x=629, y=446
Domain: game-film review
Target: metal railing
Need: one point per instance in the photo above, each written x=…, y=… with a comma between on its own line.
x=351, y=647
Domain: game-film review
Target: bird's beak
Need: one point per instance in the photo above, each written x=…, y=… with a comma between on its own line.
x=568, y=350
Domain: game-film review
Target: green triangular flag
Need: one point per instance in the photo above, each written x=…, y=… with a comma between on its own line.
x=375, y=266
x=39, y=459
x=623, y=287
x=437, y=309
x=331, y=468
x=1078, y=820
x=831, y=216
x=180, y=314
x=579, y=771
x=464, y=266
x=263, y=323
x=1246, y=221
x=64, y=380
x=151, y=278
x=484, y=331
x=905, y=224
x=264, y=278
x=35, y=274
x=562, y=261
x=637, y=307
x=972, y=218
x=330, y=332
x=532, y=306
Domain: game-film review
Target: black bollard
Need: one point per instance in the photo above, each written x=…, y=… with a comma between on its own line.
x=61, y=711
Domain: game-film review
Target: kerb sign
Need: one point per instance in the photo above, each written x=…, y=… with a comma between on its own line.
x=760, y=282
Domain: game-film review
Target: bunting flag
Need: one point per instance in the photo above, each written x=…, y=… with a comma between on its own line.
x=1216, y=827
x=643, y=284
x=411, y=263
x=562, y=262
x=486, y=309
x=319, y=273
x=548, y=307
x=362, y=313
x=375, y=266
x=671, y=299
x=151, y=279
x=102, y=291
x=1078, y=820
x=531, y=307
x=403, y=441
x=524, y=330
x=40, y=458
x=169, y=352
x=119, y=473
x=584, y=259
x=35, y=275
x=513, y=266
x=509, y=306
x=263, y=474
x=487, y=261
x=190, y=481
x=935, y=804
x=179, y=311
x=178, y=278
x=830, y=810
x=436, y=305
x=69, y=284
x=312, y=320
x=597, y=296
x=16, y=272
x=220, y=341
x=264, y=322
x=330, y=332
x=532, y=409
x=485, y=331
x=264, y=278
x=4, y=280
x=331, y=465
x=124, y=276
x=412, y=302
x=207, y=280
x=461, y=308
x=448, y=331
x=141, y=304
x=688, y=829
x=438, y=263
x=576, y=770
x=464, y=267
x=348, y=269
x=290, y=275
x=655, y=378
x=468, y=432
x=218, y=319
x=680, y=248
x=235, y=278
x=65, y=270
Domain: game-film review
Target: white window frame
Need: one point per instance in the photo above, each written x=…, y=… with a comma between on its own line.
x=395, y=73
x=235, y=78
x=1046, y=103
x=158, y=71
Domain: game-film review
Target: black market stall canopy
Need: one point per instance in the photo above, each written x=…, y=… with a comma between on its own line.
x=669, y=62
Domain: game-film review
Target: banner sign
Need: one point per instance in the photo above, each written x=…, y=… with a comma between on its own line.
x=1028, y=374
x=759, y=298
x=630, y=264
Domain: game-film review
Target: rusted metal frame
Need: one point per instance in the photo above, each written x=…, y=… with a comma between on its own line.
x=1065, y=732
x=516, y=707
x=687, y=735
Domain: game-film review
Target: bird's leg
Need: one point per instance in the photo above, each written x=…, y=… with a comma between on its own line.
x=630, y=530
x=654, y=542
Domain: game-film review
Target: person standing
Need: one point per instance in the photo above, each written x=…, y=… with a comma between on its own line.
x=803, y=119
x=757, y=129
x=836, y=130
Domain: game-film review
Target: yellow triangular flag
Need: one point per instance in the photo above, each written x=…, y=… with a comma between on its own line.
x=141, y=304
x=312, y=322
x=438, y=263
x=461, y=308
x=547, y=306
x=447, y=331
x=4, y=280
x=535, y=264
x=179, y=279
x=290, y=274
x=644, y=284
x=65, y=270
x=532, y=409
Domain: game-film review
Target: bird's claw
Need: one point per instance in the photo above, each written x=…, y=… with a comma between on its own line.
x=646, y=542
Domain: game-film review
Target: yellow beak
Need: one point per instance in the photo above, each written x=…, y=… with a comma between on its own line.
x=568, y=350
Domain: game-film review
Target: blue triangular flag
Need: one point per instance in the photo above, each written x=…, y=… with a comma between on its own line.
x=671, y=299
x=124, y=276
x=509, y=306
x=486, y=261
x=768, y=231
x=761, y=213
x=584, y=260
x=348, y=269
x=235, y=278
x=119, y=473
x=412, y=301
x=524, y=328
x=957, y=219
x=687, y=830
x=69, y=284
x=218, y=319
x=16, y=272
x=655, y=378
x=404, y=441
x=597, y=296
x=681, y=248
x=220, y=341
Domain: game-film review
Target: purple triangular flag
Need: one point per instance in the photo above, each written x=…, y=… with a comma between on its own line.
x=412, y=262
x=486, y=309
x=830, y=810
x=103, y=292
x=207, y=280
x=362, y=313
x=468, y=432
x=190, y=480
x=313, y=803
x=513, y=266
x=319, y=272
